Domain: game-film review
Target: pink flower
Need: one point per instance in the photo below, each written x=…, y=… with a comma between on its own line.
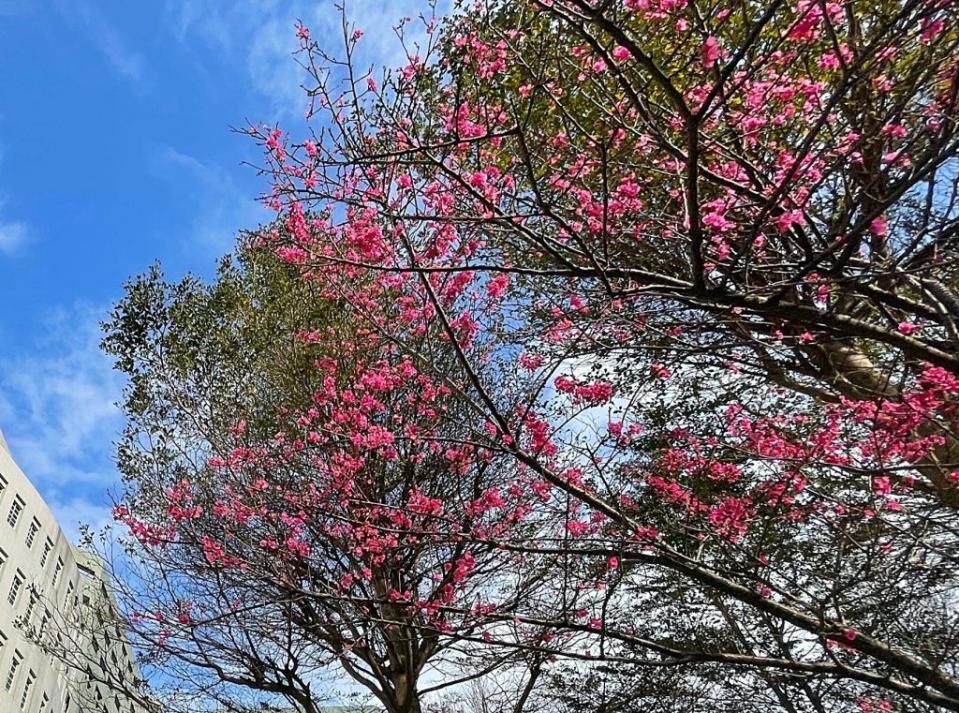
x=931, y=29
x=829, y=60
x=788, y=219
x=646, y=533
x=496, y=287
x=907, y=328
x=576, y=528
x=621, y=54
x=659, y=371
x=897, y=131
x=881, y=486
x=531, y=361
x=613, y=562
x=729, y=517
x=711, y=51
x=593, y=393
x=717, y=221
x=878, y=227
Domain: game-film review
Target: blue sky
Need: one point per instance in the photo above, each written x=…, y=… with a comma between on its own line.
x=115, y=151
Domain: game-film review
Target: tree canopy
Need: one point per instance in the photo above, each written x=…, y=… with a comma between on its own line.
x=605, y=355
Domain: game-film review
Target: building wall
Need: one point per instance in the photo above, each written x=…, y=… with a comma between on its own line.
x=50, y=592
x=112, y=668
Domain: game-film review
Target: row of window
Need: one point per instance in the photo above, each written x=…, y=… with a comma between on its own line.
x=10, y=676
x=13, y=518
x=16, y=664
x=19, y=578
x=12, y=671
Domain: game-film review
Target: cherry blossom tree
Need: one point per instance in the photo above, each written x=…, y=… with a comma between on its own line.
x=643, y=363
x=262, y=558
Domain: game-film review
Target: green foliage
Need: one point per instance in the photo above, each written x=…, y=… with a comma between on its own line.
x=200, y=357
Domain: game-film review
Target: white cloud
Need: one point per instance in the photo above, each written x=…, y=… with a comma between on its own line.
x=249, y=33
x=261, y=33
x=126, y=62
x=76, y=513
x=222, y=206
x=57, y=409
x=13, y=235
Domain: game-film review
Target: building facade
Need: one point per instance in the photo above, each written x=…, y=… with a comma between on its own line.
x=61, y=649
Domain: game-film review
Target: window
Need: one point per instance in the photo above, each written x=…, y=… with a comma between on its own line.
x=32, y=532
x=56, y=572
x=12, y=671
x=30, y=605
x=47, y=546
x=44, y=703
x=86, y=571
x=15, y=509
x=15, y=586
x=3, y=557
x=31, y=677
x=3, y=484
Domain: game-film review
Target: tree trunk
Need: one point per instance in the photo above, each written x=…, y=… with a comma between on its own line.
x=405, y=698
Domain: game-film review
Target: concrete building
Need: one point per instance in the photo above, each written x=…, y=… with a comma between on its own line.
x=54, y=600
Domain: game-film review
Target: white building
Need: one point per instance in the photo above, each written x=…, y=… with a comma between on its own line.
x=52, y=593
